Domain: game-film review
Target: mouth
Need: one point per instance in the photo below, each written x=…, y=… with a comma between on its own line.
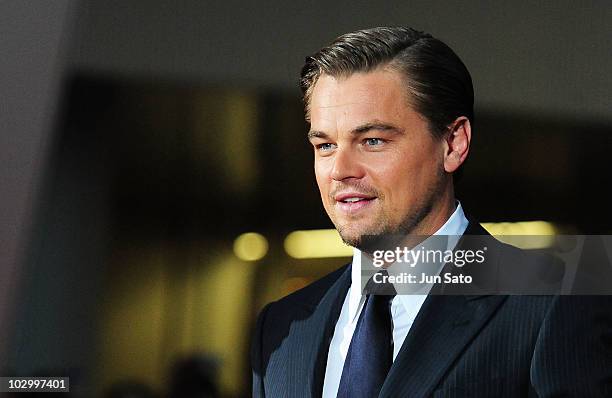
x=353, y=202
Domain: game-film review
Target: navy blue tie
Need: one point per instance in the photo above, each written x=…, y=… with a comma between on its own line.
x=370, y=354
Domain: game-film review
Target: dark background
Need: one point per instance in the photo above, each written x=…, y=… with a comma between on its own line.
x=140, y=138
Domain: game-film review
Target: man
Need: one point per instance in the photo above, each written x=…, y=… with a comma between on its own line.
x=391, y=113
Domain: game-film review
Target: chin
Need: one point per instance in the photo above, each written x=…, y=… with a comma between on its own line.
x=349, y=234
x=364, y=240
x=368, y=243
x=349, y=237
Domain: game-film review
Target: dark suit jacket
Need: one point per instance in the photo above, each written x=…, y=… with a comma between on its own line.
x=458, y=346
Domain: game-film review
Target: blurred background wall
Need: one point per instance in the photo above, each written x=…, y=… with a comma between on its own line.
x=142, y=139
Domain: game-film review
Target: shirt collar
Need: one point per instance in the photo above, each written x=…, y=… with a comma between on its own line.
x=454, y=227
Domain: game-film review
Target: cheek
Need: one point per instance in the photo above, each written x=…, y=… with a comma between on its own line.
x=397, y=183
x=322, y=177
x=393, y=172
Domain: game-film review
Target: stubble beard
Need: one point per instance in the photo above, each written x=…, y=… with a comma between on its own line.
x=385, y=236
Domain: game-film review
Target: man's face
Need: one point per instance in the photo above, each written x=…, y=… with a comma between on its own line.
x=379, y=169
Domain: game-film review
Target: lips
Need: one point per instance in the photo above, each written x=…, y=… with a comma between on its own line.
x=352, y=197
x=351, y=202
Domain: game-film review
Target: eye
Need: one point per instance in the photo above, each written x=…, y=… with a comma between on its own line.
x=373, y=141
x=325, y=147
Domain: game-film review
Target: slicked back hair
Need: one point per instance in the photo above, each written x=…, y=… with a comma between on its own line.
x=438, y=84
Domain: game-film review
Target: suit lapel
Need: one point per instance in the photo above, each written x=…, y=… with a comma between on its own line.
x=441, y=331
x=443, y=328
x=312, y=338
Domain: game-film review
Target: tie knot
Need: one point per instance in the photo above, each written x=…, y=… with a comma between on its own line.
x=379, y=285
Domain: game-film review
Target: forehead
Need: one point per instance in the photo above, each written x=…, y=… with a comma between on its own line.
x=342, y=102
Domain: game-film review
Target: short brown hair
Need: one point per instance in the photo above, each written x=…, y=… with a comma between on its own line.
x=439, y=84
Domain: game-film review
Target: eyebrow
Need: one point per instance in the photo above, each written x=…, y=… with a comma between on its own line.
x=364, y=128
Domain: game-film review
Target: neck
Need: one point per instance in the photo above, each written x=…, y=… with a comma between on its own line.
x=440, y=212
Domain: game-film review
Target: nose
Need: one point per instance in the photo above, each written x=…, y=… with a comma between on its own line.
x=346, y=165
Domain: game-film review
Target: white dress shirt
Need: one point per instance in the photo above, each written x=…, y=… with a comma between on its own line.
x=404, y=309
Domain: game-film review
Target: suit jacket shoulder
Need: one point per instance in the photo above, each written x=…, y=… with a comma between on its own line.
x=292, y=336
x=459, y=345
x=308, y=297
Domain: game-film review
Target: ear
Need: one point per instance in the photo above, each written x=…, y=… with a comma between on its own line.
x=457, y=144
